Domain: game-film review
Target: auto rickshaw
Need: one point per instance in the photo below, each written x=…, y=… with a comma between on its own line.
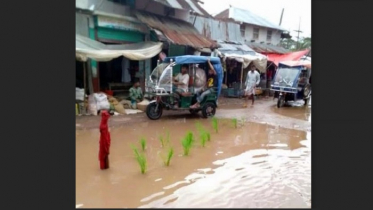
x=292, y=82
x=160, y=87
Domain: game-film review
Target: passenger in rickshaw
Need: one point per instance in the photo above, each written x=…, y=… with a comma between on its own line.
x=182, y=80
x=211, y=83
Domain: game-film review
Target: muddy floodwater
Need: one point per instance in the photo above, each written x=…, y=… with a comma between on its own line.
x=252, y=166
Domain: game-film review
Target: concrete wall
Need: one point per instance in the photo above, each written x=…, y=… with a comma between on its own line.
x=249, y=30
x=82, y=23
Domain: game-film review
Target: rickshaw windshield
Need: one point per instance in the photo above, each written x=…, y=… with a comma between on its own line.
x=157, y=72
x=286, y=77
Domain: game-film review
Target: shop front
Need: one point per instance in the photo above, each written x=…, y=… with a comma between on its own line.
x=114, y=56
x=118, y=75
x=179, y=37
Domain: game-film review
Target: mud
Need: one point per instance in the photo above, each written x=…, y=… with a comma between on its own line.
x=253, y=166
x=264, y=111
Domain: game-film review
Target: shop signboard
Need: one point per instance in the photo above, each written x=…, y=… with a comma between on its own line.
x=121, y=24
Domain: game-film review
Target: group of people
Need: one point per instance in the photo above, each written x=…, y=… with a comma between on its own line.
x=182, y=83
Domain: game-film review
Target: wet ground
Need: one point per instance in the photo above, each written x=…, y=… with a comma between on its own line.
x=264, y=163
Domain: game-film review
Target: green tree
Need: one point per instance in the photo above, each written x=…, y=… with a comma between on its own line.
x=290, y=44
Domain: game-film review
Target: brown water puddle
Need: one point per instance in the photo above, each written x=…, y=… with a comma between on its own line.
x=252, y=166
x=295, y=109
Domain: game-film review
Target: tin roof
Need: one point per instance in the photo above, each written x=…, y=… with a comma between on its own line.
x=248, y=17
x=176, y=31
x=266, y=48
x=235, y=47
x=185, y=5
x=217, y=29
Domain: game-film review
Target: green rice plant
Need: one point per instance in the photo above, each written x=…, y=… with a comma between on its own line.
x=203, y=139
x=235, y=122
x=135, y=150
x=191, y=137
x=143, y=144
x=169, y=156
x=187, y=143
x=141, y=160
x=161, y=140
x=215, y=124
x=208, y=136
x=203, y=132
x=168, y=138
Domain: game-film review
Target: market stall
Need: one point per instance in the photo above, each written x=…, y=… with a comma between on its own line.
x=90, y=49
x=259, y=60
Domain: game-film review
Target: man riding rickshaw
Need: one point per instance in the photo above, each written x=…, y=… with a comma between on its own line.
x=197, y=95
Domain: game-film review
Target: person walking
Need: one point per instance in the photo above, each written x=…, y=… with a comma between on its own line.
x=252, y=80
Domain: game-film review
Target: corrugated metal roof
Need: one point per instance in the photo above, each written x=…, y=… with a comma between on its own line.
x=177, y=31
x=246, y=16
x=235, y=47
x=217, y=29
x=265, y=48
x=185, y=5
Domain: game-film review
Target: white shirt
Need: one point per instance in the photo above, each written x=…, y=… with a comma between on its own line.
x=252, y=78
x=183, y=78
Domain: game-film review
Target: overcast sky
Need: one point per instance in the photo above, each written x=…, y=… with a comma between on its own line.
x=271, y=10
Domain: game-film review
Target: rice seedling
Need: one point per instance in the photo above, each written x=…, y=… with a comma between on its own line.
x=235, y=122
x=141, y=160
x=203, y=139
x=215, y=124
x=143, y=144
x=161, y=140
x=168, y=138
x=169, y=156
x=187, y=143
x=203, y=132
x=135, y=150
x=208, y=136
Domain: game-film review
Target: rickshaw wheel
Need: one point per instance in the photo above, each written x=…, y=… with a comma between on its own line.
x=151, y=113
x=208, y=110
x=306, y=102
x=280, y=101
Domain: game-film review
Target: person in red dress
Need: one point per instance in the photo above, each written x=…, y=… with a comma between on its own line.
x=103, y=154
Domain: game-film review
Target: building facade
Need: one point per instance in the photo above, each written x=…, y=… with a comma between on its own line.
x=257, y=32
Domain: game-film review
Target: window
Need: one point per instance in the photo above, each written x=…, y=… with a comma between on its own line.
x=242, y=29
x=256, y=33
x=169, y=11
x=269, y=35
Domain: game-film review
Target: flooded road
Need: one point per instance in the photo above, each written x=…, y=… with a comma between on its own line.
x=252, y=166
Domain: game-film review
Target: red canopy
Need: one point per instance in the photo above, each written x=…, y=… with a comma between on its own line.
x=293, y=56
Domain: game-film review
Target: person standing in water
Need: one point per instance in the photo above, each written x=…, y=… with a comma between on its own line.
x=103, y=154
x=252, y=80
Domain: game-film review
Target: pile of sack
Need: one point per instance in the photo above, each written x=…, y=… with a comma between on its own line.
x=102, y=101
x=97, y=102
